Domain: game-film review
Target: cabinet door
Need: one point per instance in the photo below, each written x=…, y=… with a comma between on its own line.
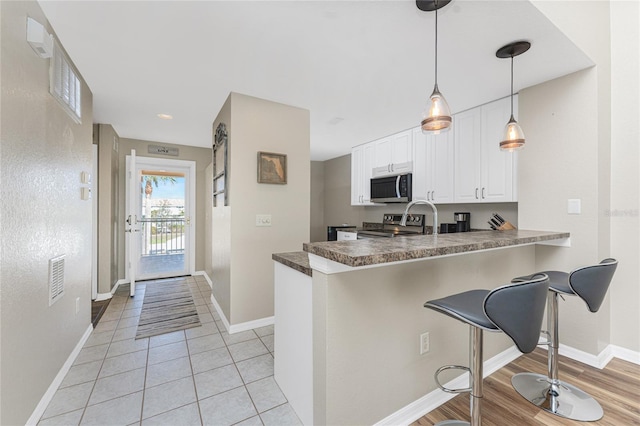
x=442, y=165
x=467, y=156
x=421, y=167
x=497, y=165
x=402, y=148
x=356, y=175
x=382, y=156
x=368, y=151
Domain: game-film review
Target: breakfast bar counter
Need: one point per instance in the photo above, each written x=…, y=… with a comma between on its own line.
x=347, y=336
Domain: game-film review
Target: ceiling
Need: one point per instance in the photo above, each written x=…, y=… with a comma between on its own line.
x=363, y=69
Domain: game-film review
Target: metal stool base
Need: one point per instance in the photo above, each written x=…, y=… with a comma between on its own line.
x=452, y=423
x=571, y=402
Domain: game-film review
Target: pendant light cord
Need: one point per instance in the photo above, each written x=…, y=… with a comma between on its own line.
x=512, y=86
x=436, y=61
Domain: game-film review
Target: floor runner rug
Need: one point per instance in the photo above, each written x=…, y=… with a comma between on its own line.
x=167, y=307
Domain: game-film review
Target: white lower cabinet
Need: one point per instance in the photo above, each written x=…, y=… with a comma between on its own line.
x=483, y=173
x=433, y=167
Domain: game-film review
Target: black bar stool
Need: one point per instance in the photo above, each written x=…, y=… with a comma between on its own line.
x=590, y=283
x=515, y=309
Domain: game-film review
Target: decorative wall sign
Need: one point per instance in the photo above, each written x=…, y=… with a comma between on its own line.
x=220, y=167
x=163, y=150
x=272, y=168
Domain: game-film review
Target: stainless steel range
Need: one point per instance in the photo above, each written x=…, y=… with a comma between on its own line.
x=391, y=227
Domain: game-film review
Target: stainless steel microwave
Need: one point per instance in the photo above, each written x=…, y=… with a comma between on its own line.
x=391, y=189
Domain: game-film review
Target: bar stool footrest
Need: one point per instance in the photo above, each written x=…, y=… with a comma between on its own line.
x=451, y=367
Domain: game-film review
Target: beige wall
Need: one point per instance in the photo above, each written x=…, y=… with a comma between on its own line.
x=220, y=237
x=318, y=229
x=259, y=125
x=569, y=130
x=43, y=155
x=109, y=227
x=202, y=157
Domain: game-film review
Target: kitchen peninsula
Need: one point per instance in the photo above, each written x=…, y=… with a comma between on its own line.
x=349, y=315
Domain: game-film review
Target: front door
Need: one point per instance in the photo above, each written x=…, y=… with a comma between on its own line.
x=163, y=203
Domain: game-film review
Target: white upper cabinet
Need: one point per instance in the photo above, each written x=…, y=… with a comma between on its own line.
x=393, y=154
x=463, y=165
x=433, y=166
x=483, y=173
x=361, y=168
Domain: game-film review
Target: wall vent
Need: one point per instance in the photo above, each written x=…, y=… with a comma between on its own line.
x=56, y=279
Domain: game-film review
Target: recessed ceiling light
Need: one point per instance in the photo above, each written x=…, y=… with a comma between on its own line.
x=165, y=116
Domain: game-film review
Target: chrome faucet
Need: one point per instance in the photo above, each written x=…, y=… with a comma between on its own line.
x=403, y=222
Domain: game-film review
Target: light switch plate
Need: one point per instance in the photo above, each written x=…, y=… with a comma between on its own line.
x=263, y=220
x=574, y=206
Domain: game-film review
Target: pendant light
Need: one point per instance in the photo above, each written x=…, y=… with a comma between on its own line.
x=512, y=136
x=437, y=116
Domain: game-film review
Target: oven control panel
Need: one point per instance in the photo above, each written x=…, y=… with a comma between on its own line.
x=395, y=219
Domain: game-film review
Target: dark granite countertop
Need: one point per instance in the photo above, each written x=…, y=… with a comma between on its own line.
x=374, y=251
x=298, y=260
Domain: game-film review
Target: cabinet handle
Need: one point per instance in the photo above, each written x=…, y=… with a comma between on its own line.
x=433, y=195
x=476, y=193
x=483, y=193
x=428, y=192
x=392, y=167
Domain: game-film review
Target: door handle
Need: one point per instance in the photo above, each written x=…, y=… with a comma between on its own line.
x=398, y=186
x=128, y=220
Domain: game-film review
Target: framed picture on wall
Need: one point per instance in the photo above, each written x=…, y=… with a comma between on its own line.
x=272, y=168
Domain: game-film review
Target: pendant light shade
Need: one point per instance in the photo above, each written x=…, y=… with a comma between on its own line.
x=513, y=136
x=437, y=116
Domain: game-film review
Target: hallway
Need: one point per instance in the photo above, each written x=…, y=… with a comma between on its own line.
x=199, y=376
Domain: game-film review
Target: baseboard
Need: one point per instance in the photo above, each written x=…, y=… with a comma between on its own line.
x=434, y=399
x=601, y=360
x=206, y=277
x=235, y=328
x=53, y=387
x=115, y=287
x=625, y=354
x=103, y=296
x=250, y=325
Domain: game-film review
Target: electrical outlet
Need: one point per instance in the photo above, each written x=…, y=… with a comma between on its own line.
x=263, y=220
x=77, y=305
x=424, y=343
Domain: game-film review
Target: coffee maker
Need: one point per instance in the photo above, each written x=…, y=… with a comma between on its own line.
x=463, y=221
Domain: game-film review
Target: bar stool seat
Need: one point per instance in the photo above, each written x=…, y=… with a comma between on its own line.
x=590, y=283
x=515, y=309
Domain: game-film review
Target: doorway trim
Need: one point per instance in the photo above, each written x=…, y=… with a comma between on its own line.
x=190, y=197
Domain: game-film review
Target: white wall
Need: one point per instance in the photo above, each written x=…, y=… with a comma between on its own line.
x=625, y=175
x=577, y=150
x=43, y=155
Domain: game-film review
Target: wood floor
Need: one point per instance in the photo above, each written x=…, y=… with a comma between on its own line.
x=616, y=387
x=97, y=309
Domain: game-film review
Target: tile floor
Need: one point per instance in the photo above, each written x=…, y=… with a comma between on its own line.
x=199, y=376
